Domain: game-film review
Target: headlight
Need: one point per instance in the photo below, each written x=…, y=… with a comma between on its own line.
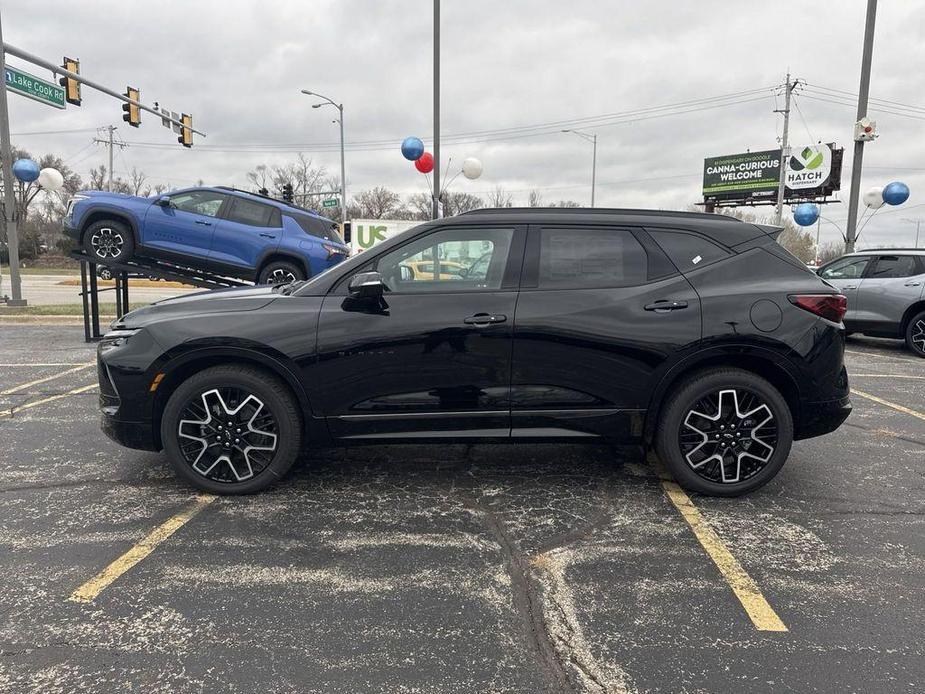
x=115, y=339
x=72, y=201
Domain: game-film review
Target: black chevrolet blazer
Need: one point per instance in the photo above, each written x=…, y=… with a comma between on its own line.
x=694, y=334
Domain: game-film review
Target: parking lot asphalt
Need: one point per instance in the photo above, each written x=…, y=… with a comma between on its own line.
x=479, y=568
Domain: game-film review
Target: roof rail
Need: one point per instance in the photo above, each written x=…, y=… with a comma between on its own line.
x=601, y=211
x=270, y=197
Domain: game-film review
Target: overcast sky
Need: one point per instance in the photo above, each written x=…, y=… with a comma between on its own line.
x=237, y=66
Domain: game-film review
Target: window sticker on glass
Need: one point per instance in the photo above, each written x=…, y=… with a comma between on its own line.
x=696, y=259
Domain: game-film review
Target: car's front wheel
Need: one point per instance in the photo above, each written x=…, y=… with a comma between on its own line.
x=724, y=432
x=231, y=429
x=915, y=334
x=109, y=241
x=280, y=272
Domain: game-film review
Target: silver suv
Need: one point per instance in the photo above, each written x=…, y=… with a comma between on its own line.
x=886, y=293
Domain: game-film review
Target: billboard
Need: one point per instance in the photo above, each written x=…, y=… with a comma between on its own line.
x=813, y=171
x=366, y=233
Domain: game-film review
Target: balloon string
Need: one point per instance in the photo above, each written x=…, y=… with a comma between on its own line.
x=858, y=235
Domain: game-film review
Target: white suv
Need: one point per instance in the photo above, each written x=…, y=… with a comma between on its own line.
x=886, y=293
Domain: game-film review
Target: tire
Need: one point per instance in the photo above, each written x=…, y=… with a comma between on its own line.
x=104, y=273
x=280, y=272
x=203, y=451
x=915, y=334
x=108, y=240
x=716, y=405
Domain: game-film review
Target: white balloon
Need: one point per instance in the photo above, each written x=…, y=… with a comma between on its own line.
x=51, y=179
x=472, y=168
x=873, y=198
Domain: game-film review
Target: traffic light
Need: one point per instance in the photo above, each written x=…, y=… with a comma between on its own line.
x=186, y=133
x=71, y=86
x=287, y=193
x=132, y=114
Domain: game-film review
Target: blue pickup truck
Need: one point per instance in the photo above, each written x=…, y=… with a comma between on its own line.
x=222, y=230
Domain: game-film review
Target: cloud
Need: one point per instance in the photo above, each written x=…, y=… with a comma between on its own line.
x=238, y=68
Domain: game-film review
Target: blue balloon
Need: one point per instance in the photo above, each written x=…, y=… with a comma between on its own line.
x=412, y=148
x=806, y=213
x=25, y=170
x=895, y=193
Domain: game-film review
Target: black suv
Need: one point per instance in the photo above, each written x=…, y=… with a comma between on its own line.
x=695, y=334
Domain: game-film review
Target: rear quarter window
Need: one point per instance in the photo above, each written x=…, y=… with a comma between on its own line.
x=688, y=251
x=319, y=228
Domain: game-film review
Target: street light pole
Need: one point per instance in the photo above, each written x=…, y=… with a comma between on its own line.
x=592, y=138
x=866, y=58
x=918, y=228
x=436, y=191
x=343, y=170
x=9, y=199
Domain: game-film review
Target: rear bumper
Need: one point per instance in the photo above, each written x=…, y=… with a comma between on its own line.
x=822, y=417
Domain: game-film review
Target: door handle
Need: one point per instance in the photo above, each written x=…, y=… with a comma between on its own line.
x=853, y=286
x=913, y=284
x=268, y=236
x=482, y=319
x=664, y=306
x=203, y=222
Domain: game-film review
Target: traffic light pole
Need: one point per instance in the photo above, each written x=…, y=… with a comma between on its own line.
x=9, y=198
x=851, y=235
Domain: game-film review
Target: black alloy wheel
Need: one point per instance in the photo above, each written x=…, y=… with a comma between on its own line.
x=724, y=432
x=232, y=429
x=915, y=334
x=280, y=272
x=108, y=241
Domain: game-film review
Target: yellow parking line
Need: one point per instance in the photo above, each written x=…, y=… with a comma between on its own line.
x=898, y=408
x=16, y=389
x=36, y=403
x=746, y=590
x=96, y=585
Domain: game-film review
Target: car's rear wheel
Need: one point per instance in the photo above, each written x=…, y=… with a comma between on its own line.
x=915, y=334
x=232, y=429
x=724, y=432
x=280, y=272
x=109, y=240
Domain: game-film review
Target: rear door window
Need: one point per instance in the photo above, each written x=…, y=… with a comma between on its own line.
x=895, y=266
x=851, y=268
x=253, y=213
x=594, y=257
x=319, y=228
x=686, y=250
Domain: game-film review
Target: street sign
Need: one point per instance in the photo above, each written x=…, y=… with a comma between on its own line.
x=31, y=86
x=330, y=202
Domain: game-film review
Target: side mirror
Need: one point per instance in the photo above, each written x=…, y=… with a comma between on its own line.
x=163, y=201
x=406, y=273
x=366, y=284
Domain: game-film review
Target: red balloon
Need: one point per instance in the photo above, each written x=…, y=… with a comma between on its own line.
x=425, y=163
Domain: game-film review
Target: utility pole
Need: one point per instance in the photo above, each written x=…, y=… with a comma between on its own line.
x=436, y=191
x=866, y=58
x=110, y=143
x=9, y=198
x=784, y=150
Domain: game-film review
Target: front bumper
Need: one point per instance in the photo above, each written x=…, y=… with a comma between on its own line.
x=822, y=417
x=70, y=230
x=138, y=435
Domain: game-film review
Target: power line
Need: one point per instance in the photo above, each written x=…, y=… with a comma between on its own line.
x=384, y=145
x=873, y=107
x=854, y=95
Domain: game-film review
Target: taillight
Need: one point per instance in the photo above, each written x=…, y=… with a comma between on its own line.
x=332, y=250
x=829, y=306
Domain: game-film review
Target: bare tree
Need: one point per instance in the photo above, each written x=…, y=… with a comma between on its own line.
x=499, y=197
x=376, y=203
x=566, y=203
x=136, y=180
x=457, y=203
x=535, y=199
